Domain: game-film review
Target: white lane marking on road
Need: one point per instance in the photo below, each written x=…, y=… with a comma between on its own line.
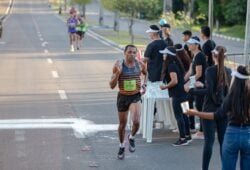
x=44, y=44
x=46, y=51
x=54, y=74
x=95, y=37
x=49, y=60
x=62, y=94
x=2, y=42
x=41, y=39
x=81, y=127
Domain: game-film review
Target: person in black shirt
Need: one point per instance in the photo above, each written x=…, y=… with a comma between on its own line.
x=216, y=87
x=208, y=46
x=166, y=34
x=174, y=79
x=197, y=69
x=186, y=35
x=152, y=56
x=236, y=110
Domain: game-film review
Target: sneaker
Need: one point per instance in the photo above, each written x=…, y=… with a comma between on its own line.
x=198, y=135
x=121, y=153
x=131, y=144
x=188, y=139
x=180, y=142
x=175, y=130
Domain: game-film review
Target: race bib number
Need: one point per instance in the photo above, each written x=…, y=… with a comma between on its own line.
x=129, y=85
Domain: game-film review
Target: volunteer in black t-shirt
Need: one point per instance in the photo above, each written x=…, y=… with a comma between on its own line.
x=208, y=45
x=197, y=69
x=186, y=35
x=152, y=56
x=174, y=79
x=236, y=110
x=216, y=88
x=166, y=34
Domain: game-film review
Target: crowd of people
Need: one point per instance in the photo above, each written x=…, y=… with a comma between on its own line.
x=218, y=95
x=77, y=27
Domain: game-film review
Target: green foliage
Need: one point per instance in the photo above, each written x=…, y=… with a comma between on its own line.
x=180, y=19
x=80, y=2
x=235, y=12
x=150, y=9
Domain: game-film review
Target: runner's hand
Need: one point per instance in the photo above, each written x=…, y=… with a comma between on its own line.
x=117, y=69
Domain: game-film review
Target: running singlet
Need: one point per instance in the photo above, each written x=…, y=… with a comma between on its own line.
x=72, y=22
x=129, y=80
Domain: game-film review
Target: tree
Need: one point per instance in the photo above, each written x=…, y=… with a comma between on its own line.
x=83, y=4
x=132, y=8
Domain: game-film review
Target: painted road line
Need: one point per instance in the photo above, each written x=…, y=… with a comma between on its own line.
x=44, y=44
x=46, y=51
x=81, y=127
x=49, y=60
x=54, y=74
x=41, y=39
x=62, y=94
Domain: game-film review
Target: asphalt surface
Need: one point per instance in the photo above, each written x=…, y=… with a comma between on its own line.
x=41, y=79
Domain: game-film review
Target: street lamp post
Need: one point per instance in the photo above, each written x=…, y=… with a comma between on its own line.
x=247, y=36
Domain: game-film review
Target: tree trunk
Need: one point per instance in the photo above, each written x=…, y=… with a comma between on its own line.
x=116, y=21
x=65, y=5
x=100, y=14
x=131, y=33
x=84, y=10
x=217, y=24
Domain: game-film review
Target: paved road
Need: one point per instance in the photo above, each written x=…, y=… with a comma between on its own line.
x=42, y=80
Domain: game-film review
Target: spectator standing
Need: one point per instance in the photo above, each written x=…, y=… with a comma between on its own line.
x=197, y=69
x=152, y=56
x=186, y=35
x=217, y=82
x=236, y=110
x=174, y=82
x=166, y=33
x=208, y=45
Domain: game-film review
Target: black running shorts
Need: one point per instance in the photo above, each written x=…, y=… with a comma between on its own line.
x=124, y=101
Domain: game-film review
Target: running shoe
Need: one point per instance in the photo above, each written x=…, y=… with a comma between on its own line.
x=131, y=144
x=121, y=153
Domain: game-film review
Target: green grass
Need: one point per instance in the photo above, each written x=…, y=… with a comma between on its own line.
x=122, y=38
x=237, y=31
x=234, y=31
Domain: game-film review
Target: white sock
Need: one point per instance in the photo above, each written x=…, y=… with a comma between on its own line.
x=131, y=137
x=122, y=145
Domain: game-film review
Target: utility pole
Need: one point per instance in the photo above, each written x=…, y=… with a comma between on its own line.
x=100, y=14
x=210, y=16
x=167, y=6
x=247, y=36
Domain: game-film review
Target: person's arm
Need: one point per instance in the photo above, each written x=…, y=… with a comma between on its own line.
x=188, y=74
x=164, y=68
x=198, y=70
x=202, y=89
x=116, y=73
x=172, y=83
x=204, y=115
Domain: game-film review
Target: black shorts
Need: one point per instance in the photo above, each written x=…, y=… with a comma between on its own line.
x=124, y=101
x=80, y=33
